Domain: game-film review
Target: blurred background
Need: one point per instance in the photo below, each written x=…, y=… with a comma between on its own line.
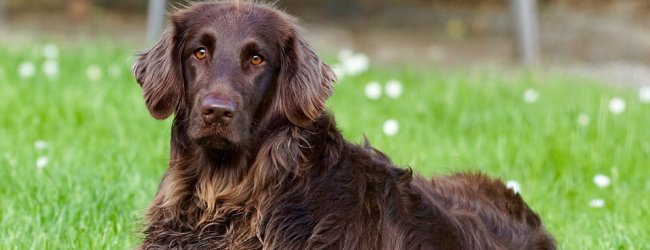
x=604, y=38
x=553, y=99
x=586, y=34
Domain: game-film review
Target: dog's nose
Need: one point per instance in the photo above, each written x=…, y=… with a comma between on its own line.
x=215, y=109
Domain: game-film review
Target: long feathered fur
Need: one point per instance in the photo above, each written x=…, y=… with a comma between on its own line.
x=298, y=184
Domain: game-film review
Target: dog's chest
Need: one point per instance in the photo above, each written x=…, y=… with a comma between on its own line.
x=232, y=230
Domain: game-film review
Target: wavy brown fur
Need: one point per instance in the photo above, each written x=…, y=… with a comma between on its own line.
x=289, y=180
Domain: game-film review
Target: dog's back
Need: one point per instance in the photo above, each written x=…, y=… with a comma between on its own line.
x=487, y=214
x=467, y=210
x=355, y=198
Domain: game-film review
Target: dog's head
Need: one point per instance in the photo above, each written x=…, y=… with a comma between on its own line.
x=229, y=67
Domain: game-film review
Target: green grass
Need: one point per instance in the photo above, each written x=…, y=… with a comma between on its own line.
x=106, y=154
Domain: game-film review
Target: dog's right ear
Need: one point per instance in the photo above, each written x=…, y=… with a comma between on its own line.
x=159, y=73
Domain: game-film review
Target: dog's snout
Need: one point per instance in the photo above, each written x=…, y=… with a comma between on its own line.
x=216, y=109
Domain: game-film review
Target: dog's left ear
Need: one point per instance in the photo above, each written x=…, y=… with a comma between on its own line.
x=304, y=82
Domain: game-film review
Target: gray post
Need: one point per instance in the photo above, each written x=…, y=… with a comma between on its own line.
x=155, y=19
x=526, y=30
x=3, y=14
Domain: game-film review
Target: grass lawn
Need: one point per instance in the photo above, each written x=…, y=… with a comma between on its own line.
x=80, y=157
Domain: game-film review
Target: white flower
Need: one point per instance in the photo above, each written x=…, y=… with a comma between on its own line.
x=351, y=63
x=51, y=68
x=391, y=127
x=531, y=96
x=644, y=94
x=373, y=90
x=597, y=203
x=393, y=88
x=583, y=119
x=42, y=162
x=617, y=105
x=26, y=70
x=355, y=64
x=514, y=185
x=93, y=72
x=50, y=51
x=115, y=71
x=41, y=145
x=602, y=181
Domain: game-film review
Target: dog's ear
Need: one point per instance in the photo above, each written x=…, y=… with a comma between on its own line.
x=159, y=72
x=304, y=82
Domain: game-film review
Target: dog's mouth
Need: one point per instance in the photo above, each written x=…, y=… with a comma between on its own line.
x=215, y=142
x=215, y=137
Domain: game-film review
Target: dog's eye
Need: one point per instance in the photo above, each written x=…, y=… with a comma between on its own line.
x=200, y=53
x=257, y=60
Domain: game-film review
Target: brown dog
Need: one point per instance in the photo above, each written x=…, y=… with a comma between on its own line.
x=258, y=163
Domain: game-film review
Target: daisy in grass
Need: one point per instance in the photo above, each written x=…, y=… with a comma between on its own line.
x=41, y=145
x=51, y=68
x=351, y=63
x=602, y=181
x=616, y=105
x=391, y=127
x=531, y=95
x=50, y=51
x=644, y=94
x=26, y=70
x=393, y=89
x=597, y=203
x=42, y=162
x=373, y=90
